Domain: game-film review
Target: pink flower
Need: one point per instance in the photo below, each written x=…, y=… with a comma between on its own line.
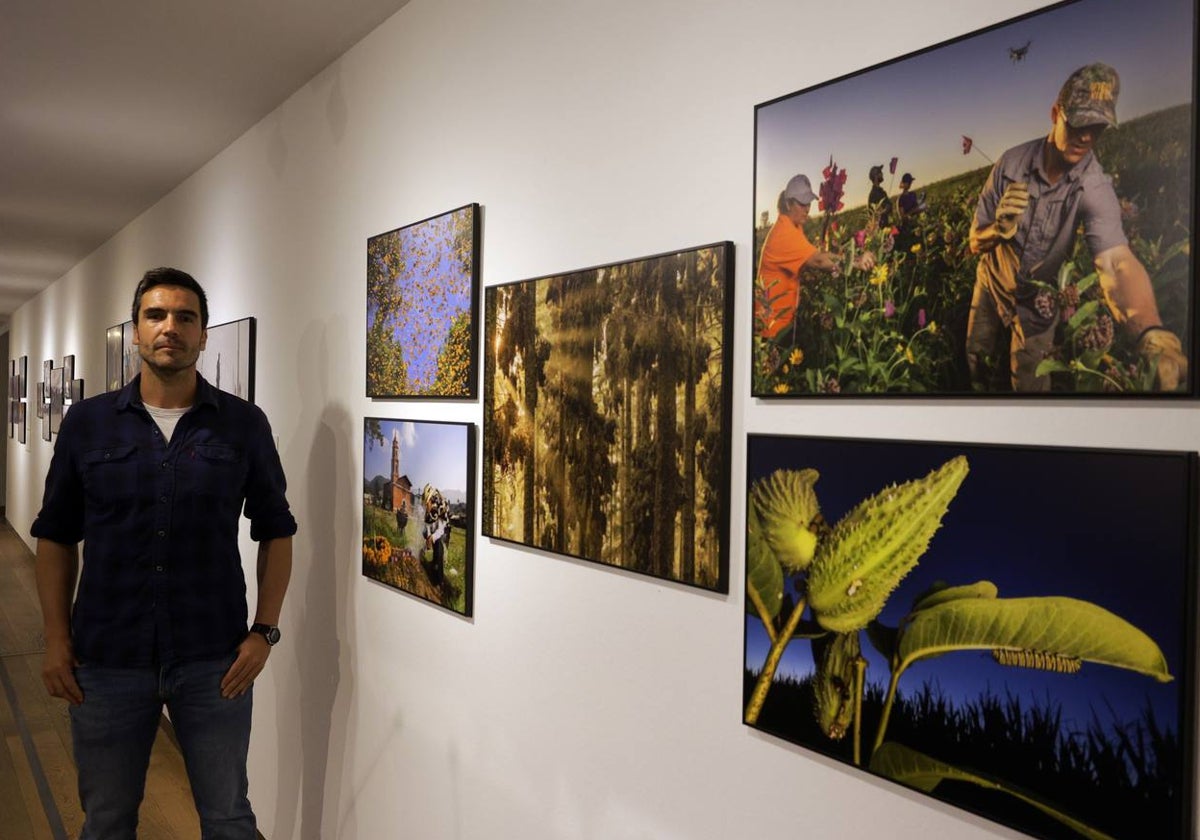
x=889, y=309
x=832, y=188
x=860, y=238
x=921, y=318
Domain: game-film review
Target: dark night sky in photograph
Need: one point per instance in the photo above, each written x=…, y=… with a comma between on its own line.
x=1105, y=527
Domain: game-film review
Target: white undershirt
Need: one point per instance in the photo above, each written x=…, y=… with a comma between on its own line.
x=166, y=418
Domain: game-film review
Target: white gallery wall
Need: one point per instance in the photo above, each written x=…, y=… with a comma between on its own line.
x=579, y=702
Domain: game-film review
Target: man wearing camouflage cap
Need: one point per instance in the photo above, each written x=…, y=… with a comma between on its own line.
x=1037, y=196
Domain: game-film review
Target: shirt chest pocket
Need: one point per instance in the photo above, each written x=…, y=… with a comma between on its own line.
x=110, y=475
x=213, y=469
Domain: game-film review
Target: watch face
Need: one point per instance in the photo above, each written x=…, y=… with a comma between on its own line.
x=271, y=634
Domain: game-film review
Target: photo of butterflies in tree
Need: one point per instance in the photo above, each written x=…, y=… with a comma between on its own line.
x=422, y=293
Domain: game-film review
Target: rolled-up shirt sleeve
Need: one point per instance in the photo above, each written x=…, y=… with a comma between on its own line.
x=266, y=487
x=61, y=516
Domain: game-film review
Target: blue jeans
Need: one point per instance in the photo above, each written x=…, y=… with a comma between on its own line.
x=113, y=731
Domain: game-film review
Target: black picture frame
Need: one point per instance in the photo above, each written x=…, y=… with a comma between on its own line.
x=1046, y=591
x=131, y=360
x=227, y=360
x=607, y=406
x=422, y=308
x=114, y=357
x=419, y=518
x=899, y=327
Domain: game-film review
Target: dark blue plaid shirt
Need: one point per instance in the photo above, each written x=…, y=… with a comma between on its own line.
x=161, y=579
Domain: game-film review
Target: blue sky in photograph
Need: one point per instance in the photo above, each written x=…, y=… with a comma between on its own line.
x=430, y=453
x=918, y=108
x=1098, y=526
x=435, y=291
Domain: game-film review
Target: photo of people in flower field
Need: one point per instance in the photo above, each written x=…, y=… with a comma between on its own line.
x=1005, y=628
x=422, y=285
x=418, y=508
x=1008, y=213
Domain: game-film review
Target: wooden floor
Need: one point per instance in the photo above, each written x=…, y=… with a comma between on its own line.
x=38, y=799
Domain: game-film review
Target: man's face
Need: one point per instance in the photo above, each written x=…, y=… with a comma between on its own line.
x=1073, y=143
x=168, y=334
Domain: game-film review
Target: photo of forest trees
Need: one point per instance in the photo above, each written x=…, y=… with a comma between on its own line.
x=606, y=406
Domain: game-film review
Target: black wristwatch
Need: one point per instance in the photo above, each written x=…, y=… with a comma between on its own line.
x=269, y=632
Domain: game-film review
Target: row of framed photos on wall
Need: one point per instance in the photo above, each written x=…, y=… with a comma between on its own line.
x=1008, y=629
x=53, y=396
x=227, y=362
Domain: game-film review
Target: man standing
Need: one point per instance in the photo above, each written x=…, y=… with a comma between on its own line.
x=878, y=205
x=153, y=479
x=1036, y=197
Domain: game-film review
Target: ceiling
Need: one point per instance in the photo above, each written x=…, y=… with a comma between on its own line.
x=107, y=106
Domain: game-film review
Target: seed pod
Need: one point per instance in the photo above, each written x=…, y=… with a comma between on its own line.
x=875, y=545
x=833, y=684
x=786, y=504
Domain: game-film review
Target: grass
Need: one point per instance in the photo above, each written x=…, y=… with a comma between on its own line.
x=382, y=523
x=1121, y=777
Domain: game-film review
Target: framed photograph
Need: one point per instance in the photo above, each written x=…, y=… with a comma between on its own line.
x=227, y=361
x=114, y=362
x=22, y=397
x=131, y=360
x=57, y=398
x=607, y=413
x=1008, y=629
x=14, y=390
x=419, y=509
x=1008, y=213
x=422, y=293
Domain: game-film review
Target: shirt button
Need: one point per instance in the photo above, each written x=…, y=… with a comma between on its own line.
x=162, y=498
x=164, y=465
x=162, y=533
x=158, y=568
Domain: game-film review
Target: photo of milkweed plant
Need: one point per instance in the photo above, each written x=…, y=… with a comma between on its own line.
x=890, y=314
x=419, y=509
x=422, y=293
x=606, y=406
x=1008, y=629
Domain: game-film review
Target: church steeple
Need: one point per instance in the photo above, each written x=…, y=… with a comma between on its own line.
x=395, y=456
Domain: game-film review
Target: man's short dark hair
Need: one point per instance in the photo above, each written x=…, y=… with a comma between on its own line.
x=170, y=277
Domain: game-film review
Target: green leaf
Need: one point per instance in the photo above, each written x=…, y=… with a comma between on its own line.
x=883, y=639
x=1084, y=313
x=941, y=592
x=1051, y=624
x=1046, y=366
x=764, y=575
x=1066, y=272
x=917, y=770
